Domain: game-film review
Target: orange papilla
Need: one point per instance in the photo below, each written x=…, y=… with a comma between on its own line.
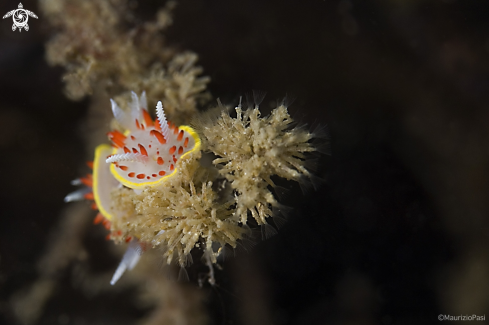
x=147, y=118
x=143, y=150
x=172, y=150
x=94, y=206
x=90, y=164
x=180, y=150
x=128, y=239
x=88, y=181
x=159, y=136
x=117, y=138
x=160, y=161
x=180, y=136
x=157, y=125
x=126, y=150
x=106, y=223
x=88, y=196
x=185, y=143
x=98, y=219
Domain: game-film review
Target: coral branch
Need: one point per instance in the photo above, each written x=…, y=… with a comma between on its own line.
x=252, y=150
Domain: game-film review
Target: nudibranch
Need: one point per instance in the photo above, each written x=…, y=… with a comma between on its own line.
x=146, y=153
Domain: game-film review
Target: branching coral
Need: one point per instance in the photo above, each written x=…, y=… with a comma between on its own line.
x=101, y=44
x=186, y=217
x=95, y=47
x=179, y=86
x=252, y=150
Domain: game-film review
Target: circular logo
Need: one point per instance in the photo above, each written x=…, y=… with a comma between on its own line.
x=20, y=18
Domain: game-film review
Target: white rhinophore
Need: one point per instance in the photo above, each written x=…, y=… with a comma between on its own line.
x=127, y=157
x=162, y=119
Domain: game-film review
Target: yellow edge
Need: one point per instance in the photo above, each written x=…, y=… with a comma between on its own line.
x=161, y=180
x=96, y=163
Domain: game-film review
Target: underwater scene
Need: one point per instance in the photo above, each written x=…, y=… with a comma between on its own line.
x=244, y=162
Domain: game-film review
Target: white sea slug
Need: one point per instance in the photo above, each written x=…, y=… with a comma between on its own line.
x=146, y=154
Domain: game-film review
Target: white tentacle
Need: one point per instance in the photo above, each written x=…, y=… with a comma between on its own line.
x=162, y=119
x=129, y=260
x=127, y=157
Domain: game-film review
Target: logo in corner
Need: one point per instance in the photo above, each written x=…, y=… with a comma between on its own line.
x=20, y=17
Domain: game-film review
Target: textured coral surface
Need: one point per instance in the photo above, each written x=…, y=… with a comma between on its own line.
x=252, y=150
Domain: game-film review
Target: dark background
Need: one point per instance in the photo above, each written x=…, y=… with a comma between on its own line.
x=402, y=215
